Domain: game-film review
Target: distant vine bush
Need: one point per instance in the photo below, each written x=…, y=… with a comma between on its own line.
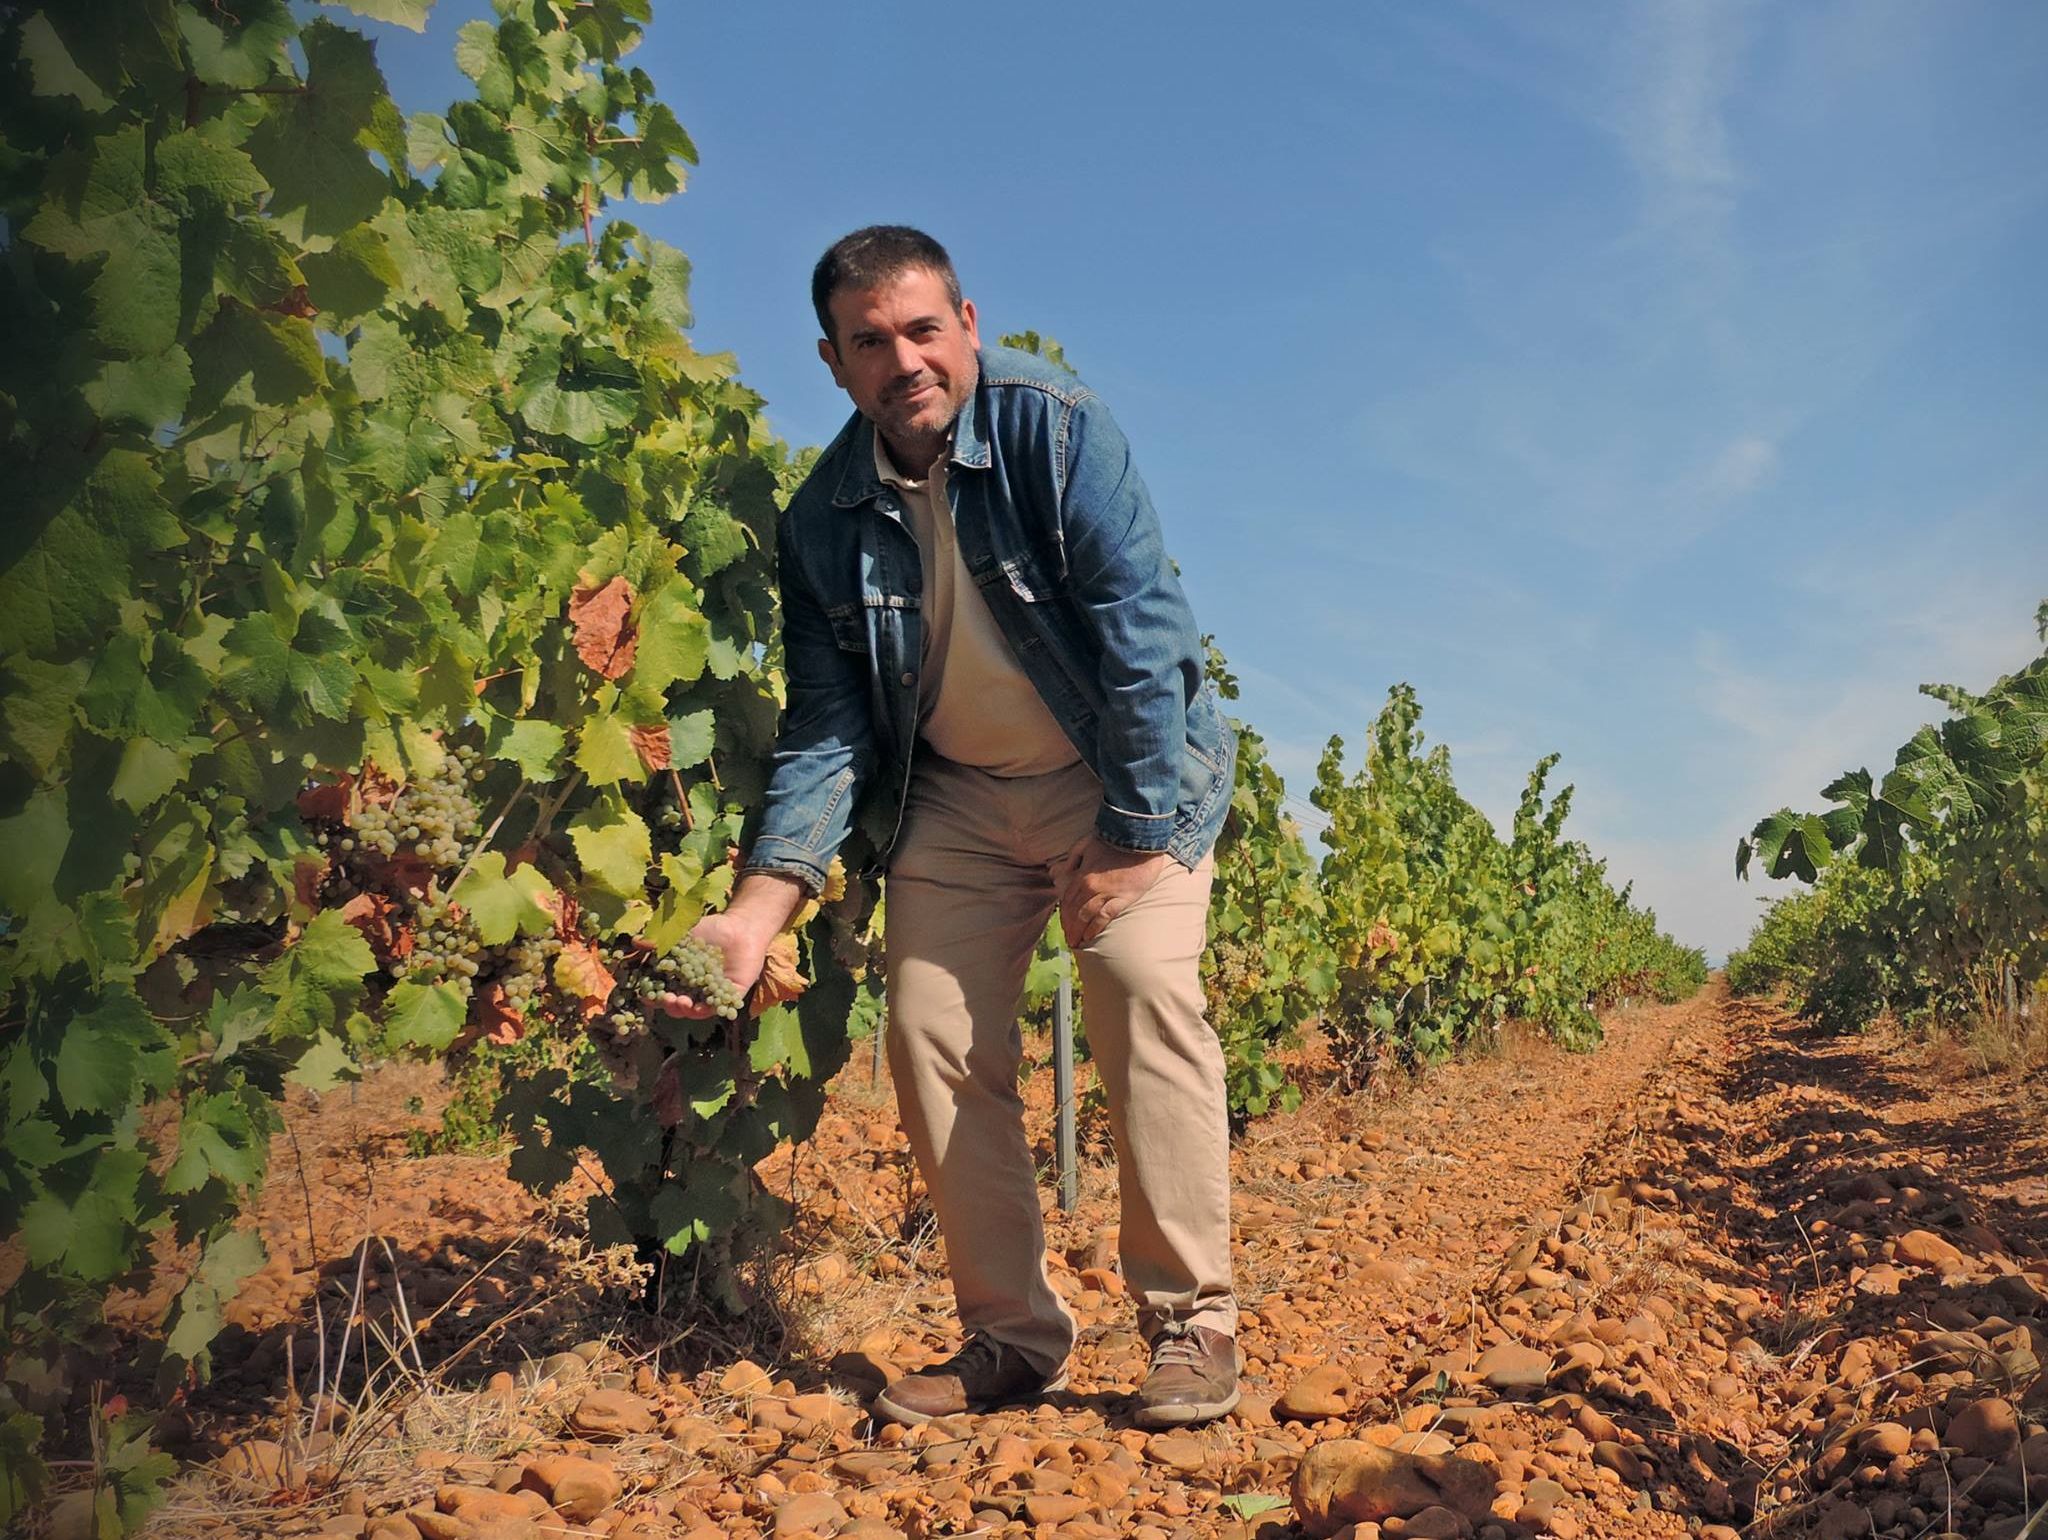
x=1267, y=969
x=1930, y=897
x=387, y=619
x=1442, y=932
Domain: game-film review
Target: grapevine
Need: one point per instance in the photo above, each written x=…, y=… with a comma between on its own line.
x=1928, y=890
x=1443, y=931
x=361, y=674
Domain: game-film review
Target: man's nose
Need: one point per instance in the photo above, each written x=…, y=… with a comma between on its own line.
x=908, y=359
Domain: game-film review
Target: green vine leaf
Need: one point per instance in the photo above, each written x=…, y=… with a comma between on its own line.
x=505, y=904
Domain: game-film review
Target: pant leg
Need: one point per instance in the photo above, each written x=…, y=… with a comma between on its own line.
x=1161, y=1063
x=1162, y=1067
x=963, y=916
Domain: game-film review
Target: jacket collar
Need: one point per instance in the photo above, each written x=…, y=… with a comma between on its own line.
x=859, y=482
x=970, y=447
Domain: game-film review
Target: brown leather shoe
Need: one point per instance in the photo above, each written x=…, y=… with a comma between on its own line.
x=1193, y=1377
x=983, y=1375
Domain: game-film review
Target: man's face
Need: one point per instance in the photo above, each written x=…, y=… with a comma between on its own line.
x=904, y=356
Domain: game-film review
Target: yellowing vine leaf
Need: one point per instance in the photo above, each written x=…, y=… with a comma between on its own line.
x=781, y=980
x=580, y=971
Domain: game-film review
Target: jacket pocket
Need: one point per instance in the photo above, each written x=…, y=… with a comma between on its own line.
x=849, y=627
x=1036, y=577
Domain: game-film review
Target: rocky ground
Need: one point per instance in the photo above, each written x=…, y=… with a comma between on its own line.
x=1722, y=1277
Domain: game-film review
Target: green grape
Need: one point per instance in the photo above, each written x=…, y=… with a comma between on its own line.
x=445, y=946
x=700, y=973
x=432, y=818
x=523, y=970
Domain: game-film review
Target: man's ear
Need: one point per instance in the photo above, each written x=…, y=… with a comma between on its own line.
x=970, y=323
x=830, y=355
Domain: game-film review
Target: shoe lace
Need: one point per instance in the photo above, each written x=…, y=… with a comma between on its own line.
x=1177, y=1344
x=979, y=1355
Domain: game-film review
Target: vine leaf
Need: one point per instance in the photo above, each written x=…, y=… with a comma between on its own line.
x=311, y=144
x=691, y=737
x=411, y=14
x=613, y=846
x=532, y=745
x=100, y=1061
x=425, y=1015
x=781, y=978
x=325, y=966
x=502, y=903
x=605, y=636
x=609, y=753
x=653, y=745
x=195, y=1318
x=581, y=973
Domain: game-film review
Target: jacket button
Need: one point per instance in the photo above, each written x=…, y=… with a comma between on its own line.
x=908, y=677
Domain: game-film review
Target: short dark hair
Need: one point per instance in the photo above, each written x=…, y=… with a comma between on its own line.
x=870, y=257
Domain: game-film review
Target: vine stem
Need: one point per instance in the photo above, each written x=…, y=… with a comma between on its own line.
x=545, y=823
x=489, y=834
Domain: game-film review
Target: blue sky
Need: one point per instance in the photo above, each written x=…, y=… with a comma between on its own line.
x=1662, y=384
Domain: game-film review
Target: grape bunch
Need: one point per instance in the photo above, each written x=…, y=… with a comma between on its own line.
x=445, y=946
x=432, y=817
x=696, y=968
x=523, y=974
x=614, y=1035
x=692, y=966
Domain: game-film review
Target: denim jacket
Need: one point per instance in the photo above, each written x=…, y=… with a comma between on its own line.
x=1058, y=534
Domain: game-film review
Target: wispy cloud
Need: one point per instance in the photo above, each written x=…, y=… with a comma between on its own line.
x=1678, y=64
x=1744, y=464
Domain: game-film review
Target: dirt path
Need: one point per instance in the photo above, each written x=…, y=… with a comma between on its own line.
x=1717, y=1274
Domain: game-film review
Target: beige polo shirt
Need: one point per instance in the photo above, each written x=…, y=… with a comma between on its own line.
x=976, y=706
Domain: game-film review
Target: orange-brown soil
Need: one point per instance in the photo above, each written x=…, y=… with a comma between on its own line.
x=1721, y=1277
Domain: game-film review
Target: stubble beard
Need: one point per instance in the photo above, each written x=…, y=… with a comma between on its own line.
x=921, y=442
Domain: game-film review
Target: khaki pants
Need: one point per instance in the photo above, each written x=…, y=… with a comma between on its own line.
x=969, y=892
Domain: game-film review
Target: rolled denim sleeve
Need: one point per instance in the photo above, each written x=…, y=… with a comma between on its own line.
x=824, y=748
x=1124, y=589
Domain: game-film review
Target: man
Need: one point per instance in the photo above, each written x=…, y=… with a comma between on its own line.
x=982, y=628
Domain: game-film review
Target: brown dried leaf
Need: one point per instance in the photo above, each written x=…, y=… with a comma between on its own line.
x=667, y=1097
x=653, y=745
x=580, y=969
x=405, y=872
x=780, y=979
x=602, y=619
x=381, y=924
x=557, y=903
x=333, y=801
x=375, y=789
x=296, y=301
x=309, y=875
x=497, y=1018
